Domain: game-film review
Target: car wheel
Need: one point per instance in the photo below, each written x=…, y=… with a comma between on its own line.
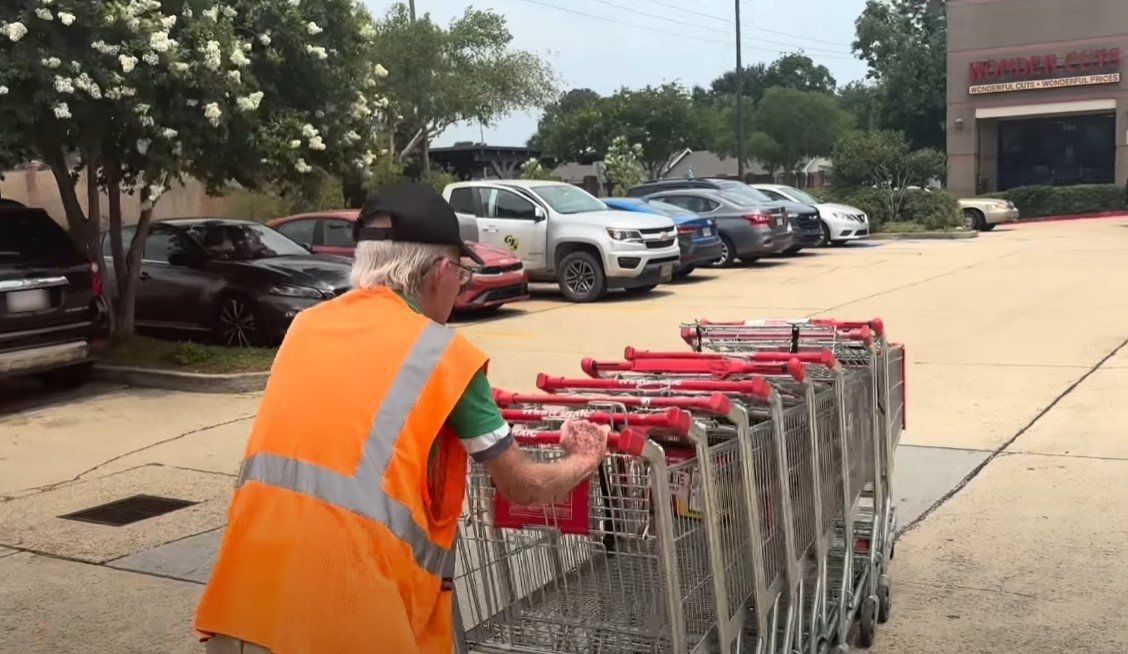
x=69, y=377
x=794, y=249
x=987, y=228
x=728, y=254
x=237, y=322
x=824, y=238
x=973, y=219
x=684, y=272
x=581, y=277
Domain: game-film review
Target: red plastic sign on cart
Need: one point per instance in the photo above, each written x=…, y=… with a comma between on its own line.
x=568, y=517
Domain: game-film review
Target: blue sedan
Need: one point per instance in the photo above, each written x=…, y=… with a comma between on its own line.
x=700, y=244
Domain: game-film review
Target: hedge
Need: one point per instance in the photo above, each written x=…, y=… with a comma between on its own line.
x=1038, y=201
x=930, y=209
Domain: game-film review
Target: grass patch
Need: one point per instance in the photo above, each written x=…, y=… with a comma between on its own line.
x=145, y=352
x=912, y=228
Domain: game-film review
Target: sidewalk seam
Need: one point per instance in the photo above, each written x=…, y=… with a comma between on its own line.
x=979, y=468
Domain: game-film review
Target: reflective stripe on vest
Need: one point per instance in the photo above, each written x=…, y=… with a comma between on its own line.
x=364, y=493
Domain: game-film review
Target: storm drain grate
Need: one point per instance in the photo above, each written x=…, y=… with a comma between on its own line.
x=128, y=510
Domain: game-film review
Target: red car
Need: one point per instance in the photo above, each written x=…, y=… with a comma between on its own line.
x=500, y=279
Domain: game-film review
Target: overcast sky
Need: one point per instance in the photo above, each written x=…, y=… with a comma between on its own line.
x=640, y=42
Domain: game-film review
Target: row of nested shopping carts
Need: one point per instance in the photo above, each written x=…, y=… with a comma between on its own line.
x=745, y=505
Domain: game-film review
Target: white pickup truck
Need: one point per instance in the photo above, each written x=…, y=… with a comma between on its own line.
x=564, y=234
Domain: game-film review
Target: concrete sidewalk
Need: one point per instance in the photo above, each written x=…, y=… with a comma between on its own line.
x=1007, y=338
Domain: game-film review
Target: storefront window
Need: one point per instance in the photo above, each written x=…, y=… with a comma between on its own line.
x=1057, y=151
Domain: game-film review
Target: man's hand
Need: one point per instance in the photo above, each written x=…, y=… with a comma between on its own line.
x=586, y=440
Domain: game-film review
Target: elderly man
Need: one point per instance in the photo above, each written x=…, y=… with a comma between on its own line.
x=341, y=531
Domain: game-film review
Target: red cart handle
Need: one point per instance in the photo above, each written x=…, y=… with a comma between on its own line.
x=864, y=334
x=822, y=358
x=672, y=419
x=756, y=387
x=719, y=368
x=714, y=403
x=877, y=325
x=628, y=441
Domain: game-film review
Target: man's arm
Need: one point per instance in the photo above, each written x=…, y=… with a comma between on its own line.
x=485, y=435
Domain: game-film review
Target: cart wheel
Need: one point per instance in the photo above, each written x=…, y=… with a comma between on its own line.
x=884, y=602
x=867, y=622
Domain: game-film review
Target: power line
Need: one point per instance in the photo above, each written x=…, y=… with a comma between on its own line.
x=726, y=32
x=662, y=31
x=726, y=21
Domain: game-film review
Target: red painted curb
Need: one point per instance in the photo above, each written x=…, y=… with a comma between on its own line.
x=1079, y=216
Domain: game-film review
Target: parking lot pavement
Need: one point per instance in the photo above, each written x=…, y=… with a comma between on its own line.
x=1000, y=331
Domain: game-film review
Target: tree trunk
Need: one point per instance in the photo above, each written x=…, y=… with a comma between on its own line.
x=127, y=292
x=76, y=219
x=93, y=206
x=117, y=250
x=425, y=154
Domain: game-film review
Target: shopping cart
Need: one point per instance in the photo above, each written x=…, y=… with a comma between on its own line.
x=781, y=478
x=617, y=567
x=859, y=346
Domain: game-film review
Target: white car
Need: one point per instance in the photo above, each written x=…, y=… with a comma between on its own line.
x=840, y=222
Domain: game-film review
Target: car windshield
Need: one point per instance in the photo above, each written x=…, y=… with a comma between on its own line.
x=242, y=241
x=800, y=196
x=26, y=235
x=742, y=199
x=667, y=209
x=565, y=198
x=738, y=190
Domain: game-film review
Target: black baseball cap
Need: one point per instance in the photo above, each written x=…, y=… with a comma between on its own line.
x=418, y=215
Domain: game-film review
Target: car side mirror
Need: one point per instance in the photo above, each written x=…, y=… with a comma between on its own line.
x=185, y=259
x=539, y=214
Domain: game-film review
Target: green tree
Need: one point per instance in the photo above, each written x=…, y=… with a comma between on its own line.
x=904, y=42
x=464, y=72
x=887, y=161
x=569, y=104
x=252, y=92
x=623, y=164
x=793, y=125
x=862, y=102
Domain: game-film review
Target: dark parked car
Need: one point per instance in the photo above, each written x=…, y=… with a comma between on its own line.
x=52, y=313
x=241, y=281
x=748, y=230
x=805, y=224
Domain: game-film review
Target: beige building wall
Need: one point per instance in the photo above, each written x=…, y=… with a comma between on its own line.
x=36, y=187
x=999, y=29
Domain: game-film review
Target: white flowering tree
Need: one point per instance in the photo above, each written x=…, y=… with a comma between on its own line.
x=142, y=93
x=623, y=164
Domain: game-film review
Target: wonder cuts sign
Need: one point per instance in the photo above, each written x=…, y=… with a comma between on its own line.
x=1045, y=71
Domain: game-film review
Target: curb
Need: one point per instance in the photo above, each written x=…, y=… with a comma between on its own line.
x=174, y=380
x=928, y=236
x=1078, y=216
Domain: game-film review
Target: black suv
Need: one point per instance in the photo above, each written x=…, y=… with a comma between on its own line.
x=52, y=311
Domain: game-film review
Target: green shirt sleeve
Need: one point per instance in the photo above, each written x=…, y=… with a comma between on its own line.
x=477, y=421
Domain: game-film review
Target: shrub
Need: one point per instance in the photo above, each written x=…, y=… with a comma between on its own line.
x=930, y=209
x=1037, y=201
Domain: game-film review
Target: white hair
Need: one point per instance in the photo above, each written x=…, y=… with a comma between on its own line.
x=400, y=266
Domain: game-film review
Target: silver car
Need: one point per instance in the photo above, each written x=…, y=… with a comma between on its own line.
x=749, y=228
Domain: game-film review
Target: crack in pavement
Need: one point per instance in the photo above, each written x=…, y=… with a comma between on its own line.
x=46, y=487
x=1000, y=451
x=1067, y=455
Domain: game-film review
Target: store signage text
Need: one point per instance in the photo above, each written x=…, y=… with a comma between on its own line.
x=1079, y=63
x=1037, y=84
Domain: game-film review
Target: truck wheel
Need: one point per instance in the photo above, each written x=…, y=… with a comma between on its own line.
x=581, y=277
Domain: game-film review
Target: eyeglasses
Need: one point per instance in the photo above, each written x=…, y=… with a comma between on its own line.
x=465, y=273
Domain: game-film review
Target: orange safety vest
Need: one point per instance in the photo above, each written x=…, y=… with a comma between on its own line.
x=334, y=542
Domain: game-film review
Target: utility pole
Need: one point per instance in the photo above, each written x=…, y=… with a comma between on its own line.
x=739, y=101
x=411, y=9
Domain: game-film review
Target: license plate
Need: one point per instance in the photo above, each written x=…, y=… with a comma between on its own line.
x=36, y=299
x=668, y=272
x=708, y=231
x=778, y=221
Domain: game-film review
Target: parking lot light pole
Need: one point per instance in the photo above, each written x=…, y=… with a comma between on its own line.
x=739, y=101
